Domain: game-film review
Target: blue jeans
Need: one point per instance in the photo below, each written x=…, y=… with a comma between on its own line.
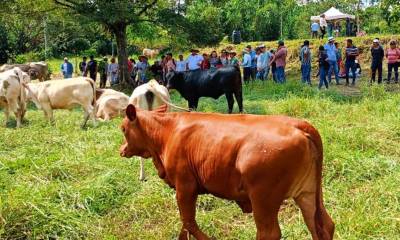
x=351, y=65
x=322, y=78
x=333, y=66
x=306, y=73
x=280, y=75
x=67, y=75
x=260, y=75
x=266, y=73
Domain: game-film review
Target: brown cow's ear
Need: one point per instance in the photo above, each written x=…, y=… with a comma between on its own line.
x=131, y=112
x=161, y=109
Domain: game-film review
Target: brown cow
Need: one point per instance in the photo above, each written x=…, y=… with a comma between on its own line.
x=257, y=161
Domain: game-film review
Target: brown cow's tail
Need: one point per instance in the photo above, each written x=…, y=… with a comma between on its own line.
x=315, y=137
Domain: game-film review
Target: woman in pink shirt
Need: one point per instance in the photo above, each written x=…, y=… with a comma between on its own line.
x=393, y=58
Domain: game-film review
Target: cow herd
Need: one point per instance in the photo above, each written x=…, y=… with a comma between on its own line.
x=255, y=161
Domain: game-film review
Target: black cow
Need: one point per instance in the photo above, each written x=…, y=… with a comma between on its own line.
x=195, y=84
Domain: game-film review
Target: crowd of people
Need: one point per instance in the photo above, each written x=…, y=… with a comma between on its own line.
x=257, y=64
x=333, y=28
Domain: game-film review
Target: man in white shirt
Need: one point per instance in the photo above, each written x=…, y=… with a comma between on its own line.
x=181, y=64
x=194, y=60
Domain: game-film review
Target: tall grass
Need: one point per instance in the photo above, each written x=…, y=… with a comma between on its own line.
x=61, y=182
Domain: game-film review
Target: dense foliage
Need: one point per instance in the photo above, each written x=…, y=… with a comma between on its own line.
x=168, y=24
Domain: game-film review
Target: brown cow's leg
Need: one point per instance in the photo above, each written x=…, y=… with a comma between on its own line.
x=306, y=202
x=186, y=197
x=265, y=211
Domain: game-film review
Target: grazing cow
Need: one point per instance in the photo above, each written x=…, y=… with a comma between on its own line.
x=64, y=94
x=195, y=84
x=150, y=53
x=257, y=161
x=36, y=70
x=12, y=94
x=110, y=104
x=150, y=96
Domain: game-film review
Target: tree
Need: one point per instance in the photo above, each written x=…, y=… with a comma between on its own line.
x=115, y=16
x=3, y=45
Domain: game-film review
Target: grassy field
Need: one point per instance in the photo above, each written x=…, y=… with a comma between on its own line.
x=61, y=182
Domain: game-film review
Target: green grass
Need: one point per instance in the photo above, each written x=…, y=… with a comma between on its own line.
x=61, y=182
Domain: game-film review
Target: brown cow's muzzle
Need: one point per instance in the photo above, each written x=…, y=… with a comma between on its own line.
x=123, y=151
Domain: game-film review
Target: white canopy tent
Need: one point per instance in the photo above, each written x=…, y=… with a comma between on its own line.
x=333, y=14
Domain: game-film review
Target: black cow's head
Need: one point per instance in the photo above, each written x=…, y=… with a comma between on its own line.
x=175, y=80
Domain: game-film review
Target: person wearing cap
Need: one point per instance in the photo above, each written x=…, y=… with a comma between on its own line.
x=103, y=67
x=331, y=51
x=233, y=60
x=350, y=63
x=393, y=59
x=305, y=59
x=280, y=60
x=194, y=60
x=377, y=54
x=67, y=68
x=246, y=64
x=181, y=64
x=263, y=62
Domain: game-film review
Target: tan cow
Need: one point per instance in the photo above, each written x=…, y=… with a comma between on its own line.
x=36, y=70
x=150, y=53
x=64, y=94
x=12, y=94
x=110, y=104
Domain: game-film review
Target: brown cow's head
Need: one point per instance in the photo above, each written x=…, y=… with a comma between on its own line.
x=135, y=143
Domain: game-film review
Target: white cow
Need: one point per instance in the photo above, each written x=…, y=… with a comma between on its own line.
x=150, y=96
x=12, y=94
x=110, y=104
x=64, y=94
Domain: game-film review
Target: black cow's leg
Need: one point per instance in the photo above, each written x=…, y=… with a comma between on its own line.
x=239, y=99
x=192, y=103
x=229, y=97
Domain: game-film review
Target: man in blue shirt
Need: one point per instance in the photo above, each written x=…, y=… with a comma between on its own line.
x=314, y=29
x=331, y=51
x=67, y=69
x=305, y=58
x=253, y=56
x=246, y=64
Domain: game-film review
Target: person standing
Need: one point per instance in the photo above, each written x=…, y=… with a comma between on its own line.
x=246, y=64
x=263, y=62
x=82, y=66
x=280, y=60
x=194, y=60
x=92, y=68
x=205, y=64
x=67, y=68
x=253, y=56
x=214, y=61
x=113, y=70
x=323, y=25
x=133, y=71
x=272, y=63
x=260, y=67
x=377, y=54
x=224, y=58
x=181, y=64
x=314, y=29
x=142, y=66
x=305, y=58
x=350, y=64
x=233, y=60
x=323, y=67
x=170, y=65
x=393, y=59
x=103, y=69
x=331, y=51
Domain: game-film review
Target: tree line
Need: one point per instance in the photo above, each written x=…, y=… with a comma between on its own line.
x=54, y=28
